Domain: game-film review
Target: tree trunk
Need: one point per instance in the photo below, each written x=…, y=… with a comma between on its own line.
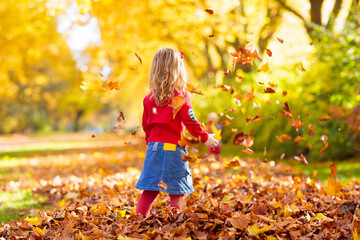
x=79, y=114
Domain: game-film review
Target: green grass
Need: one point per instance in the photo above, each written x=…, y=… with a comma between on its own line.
x=346, y=169
x=14, y=205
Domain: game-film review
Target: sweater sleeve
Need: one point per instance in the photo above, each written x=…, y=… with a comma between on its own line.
x=144, y=123
x=187, y=116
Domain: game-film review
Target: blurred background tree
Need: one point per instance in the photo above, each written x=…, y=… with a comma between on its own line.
x=315, y=59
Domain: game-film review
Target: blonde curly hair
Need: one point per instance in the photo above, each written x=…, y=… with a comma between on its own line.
x=167, y=75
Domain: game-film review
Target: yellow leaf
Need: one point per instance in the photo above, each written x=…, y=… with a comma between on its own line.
x=255, y=230
x=216, y=131
x=40, y=231
x=332, y=186
x=264, y=68
x=356, y=235
x=99, y=209
x=61, y=203
x=121, y=213
x=271, y=238
x=92, y=85
x=33, y=220
x=243, y=110
x=322, y=217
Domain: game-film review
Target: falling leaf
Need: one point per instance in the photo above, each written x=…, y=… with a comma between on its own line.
x=286, y=115
x=287, y=108
x=324, y=138
x=296, y=124
x=121, y=117
x=282, y=156
x=216, y=131
x=211, y=35
x=247, y=151
x=264, y=68
x=93, y=136
x=268, y=52
x=240, y=77
x=227, y=72
x=92, y=85
x=333, y=169
x=113, y=86
x=280, y=40
x=323, y=119
x=176, y=103
x=243, y=139
x=315, y=172
x=192, y=89
x=301, y=67
x=186, y=141
x=256, y=118
x=138, y=57
x=303, y=160
x=246, y=55
x=284, y=137
x=299, y=139
x=101, y=74
x=309, y=145
x=326, y=145
x=269, y=90
x=162, y=185
x=311, y=129
x=210, y=11
x=332, y=186
x=284, y=93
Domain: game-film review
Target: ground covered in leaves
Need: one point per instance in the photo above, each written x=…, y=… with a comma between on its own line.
x=93, y=197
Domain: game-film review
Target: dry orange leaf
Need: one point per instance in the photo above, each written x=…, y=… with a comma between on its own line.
x=247, y=151
x=324, y=148
x=315, y=172
x=298, y=139
x=333, y=169
x=284, y=137
x=162, y=185
x=176, y=103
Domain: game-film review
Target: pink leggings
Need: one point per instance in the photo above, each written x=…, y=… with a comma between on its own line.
x=147, y=198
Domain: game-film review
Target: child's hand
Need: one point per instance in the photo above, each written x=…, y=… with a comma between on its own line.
x=211, y=141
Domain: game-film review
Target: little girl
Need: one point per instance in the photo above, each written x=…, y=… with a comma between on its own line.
x=163, y=162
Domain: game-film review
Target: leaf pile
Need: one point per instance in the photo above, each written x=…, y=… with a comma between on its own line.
x=235, y=199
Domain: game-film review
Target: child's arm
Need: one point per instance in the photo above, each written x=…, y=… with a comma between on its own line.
x=187, y=116
x=144, y=123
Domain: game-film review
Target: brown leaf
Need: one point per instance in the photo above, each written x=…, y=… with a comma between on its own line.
x=296, y=124
x=284, y=93
x=268, y=52
x=243, y=139
x=280, y=40
x=333, y=169
x=240, y=222
x=138, y=57
x=302, y=67
x=287, y=108
x=269, y=90
x=210, y=11
x=246, y=55
x=311, y=129
x=121, y=117
x=211, y=35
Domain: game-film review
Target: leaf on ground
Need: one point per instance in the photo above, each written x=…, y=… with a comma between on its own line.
x=33, y=220
x=254, y=230
x=321, y=217
x=332, y=186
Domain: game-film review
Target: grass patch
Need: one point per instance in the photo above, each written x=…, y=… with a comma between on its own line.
x=15, y=205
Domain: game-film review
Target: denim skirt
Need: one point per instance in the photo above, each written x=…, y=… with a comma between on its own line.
x=165, y=164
